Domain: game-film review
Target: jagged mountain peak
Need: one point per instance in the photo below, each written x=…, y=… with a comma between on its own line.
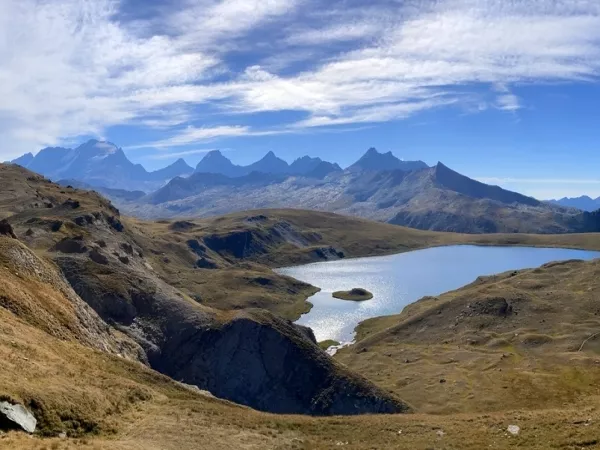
x=373, y=160
x=24, y=161
x=214, y=154
x=270, y=163
x=306, y=158
x=181, y=163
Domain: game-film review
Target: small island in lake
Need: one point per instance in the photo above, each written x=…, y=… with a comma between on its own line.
x=355, y=295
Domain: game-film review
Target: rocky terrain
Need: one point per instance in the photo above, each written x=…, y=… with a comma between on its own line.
x=104, y=261
x=100, y=314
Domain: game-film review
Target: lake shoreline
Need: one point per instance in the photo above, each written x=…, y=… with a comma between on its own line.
x=383, y=305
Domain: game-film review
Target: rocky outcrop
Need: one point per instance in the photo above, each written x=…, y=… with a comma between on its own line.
x=252, y=358
x=6, y=229
x=16, y=417
x=238, y=244
x=271, y=365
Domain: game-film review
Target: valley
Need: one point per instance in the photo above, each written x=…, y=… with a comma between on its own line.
x=299, y=225
x=87, y=291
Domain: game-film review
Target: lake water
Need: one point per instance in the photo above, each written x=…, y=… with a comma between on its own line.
x=401, y=279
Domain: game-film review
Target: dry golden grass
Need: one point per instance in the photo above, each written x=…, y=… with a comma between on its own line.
x=462, y=352
x=494, y=374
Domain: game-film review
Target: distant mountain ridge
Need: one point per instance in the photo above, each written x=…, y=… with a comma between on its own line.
x=99, y=164
x=378, y=186
x=584, y=203
x=376, y=161
x=433, y=198
x=103, y=164
x=216, y=163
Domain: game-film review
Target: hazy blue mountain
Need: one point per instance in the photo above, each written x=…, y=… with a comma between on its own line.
x=304, y=165
x=376, y=161
x=322, y=170
x=24, y=160
x=269, y=164
x=100, y=163
x=435, y=198
x=215, y=162
x=585, y=203
x=51, y=161
x=177, y=169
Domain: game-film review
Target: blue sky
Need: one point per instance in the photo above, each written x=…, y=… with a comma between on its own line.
x=505, y=91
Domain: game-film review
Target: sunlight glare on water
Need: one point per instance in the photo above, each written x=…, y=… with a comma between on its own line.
x=401, y=279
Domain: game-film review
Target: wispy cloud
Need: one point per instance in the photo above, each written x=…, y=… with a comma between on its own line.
x=75, y=67
x=171, y=155
x=194, y=135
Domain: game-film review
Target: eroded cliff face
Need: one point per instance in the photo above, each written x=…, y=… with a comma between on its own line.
x=271, y=365
x=249, y=357
x=35, y=291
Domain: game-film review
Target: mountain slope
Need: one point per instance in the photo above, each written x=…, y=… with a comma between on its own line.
x=123, y=272
x=24, y=160
x=177, y=169
x=436, y=198
x=81, y=367
x=269, y=164
x=304, y=165
x=518, y=340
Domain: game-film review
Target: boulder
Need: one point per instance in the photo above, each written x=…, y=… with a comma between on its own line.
x=98, y=257
x=6, y=229
x=16, y=417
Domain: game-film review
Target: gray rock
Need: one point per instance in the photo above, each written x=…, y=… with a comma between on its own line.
x=17, y=416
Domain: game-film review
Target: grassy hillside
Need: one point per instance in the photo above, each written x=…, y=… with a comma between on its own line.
x=518, y=340
x=91, y=303
x=243, y=354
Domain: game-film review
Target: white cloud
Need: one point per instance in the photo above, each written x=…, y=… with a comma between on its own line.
x=335, y=33
x=74, y=67
x=192, y=135
x=161, y=156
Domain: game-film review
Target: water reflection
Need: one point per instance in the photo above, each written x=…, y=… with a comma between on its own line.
x=399, y=280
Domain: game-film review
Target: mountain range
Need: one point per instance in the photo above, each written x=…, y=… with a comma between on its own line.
x=584, y=203
x=99, y=164
x=379, y=186
x=434, y=198
x=214, y=162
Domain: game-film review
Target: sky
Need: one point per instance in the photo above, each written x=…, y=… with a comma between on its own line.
x=504, y=91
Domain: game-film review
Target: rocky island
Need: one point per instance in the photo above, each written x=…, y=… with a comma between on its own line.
x=355, y=295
